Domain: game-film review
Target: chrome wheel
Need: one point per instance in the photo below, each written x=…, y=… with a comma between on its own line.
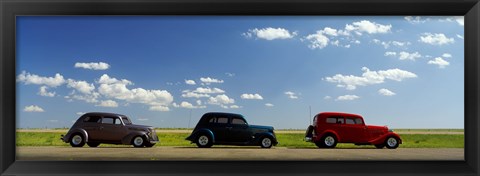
x=329, y=141
x=266, y=142
x=392, y=143
x=138, y=141
x=77, y=139
x=203, y=140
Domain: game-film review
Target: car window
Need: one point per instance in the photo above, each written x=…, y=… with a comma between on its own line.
x=222, y=120
x=331, y=120
x=238, y=121
x=358, y=121
x=212, y=120
x=107, y=120
x=350, y=121
x=92, y=119
x=126, y=120
x=340, y=120
x=117, y=121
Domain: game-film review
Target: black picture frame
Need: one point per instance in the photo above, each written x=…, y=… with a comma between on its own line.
x=9, y=9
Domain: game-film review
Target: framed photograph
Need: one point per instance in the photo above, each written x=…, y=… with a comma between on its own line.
x=239, y=87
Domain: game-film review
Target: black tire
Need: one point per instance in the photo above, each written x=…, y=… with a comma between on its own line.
x=138, y=141
x=309, y=132
x=77, y=140
x=380, y=146
x=204, y=141
x=266, y=142
x=392, y=142
x=148, y=144
x=329, y=141
x=319, y=144
x=93, y=144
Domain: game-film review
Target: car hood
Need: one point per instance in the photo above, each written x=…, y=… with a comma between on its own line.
x=261, y=127
x=138, y=126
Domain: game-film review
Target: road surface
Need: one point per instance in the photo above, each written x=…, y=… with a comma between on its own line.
x=234, y=153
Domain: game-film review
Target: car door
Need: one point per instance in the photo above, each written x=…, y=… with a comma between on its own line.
x=220, y=128
x=239, y=131
x=354, y=132
x=112, y=129
x=91, y=124
x=339, y=128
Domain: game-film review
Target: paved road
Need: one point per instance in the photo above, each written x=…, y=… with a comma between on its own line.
x=234, y=153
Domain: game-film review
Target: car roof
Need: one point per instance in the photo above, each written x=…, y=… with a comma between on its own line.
x=222, y=113
x=338, y=114
x=103, y=114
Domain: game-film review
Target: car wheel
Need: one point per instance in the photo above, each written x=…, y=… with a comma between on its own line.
x=204, y=141
x=391, y=143
x=93, y=144
x=138, y=141
x=77, y=140
x=380, y=146
x=319, y=144
x=148, y=144
x=266, y=142
x=329, y=141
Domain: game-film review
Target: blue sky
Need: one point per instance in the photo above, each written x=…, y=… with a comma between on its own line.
x=403, y=72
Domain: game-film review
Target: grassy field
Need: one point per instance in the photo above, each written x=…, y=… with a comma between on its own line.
x=290, y=140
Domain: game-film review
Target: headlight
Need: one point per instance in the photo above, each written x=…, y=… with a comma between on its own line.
x=390, y=130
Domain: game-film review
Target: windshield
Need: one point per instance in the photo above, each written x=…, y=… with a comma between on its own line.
x=126, y=120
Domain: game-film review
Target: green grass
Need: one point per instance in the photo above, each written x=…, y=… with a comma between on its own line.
x=285, y=140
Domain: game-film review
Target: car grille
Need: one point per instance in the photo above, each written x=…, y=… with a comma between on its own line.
x=154, y=135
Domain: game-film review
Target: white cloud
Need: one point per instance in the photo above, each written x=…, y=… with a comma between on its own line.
x=416, y=20
x=387, y=44
x=33, y=108
x=53, y=121
x=269, y=105
x=446, y=55
x=439, y=61
x=317, y=41
x=390, y=53
x=208, y=90
x=81, y=86
x=142, y=119
x=92, y=65
x=221, y=100
x=459, y=36
x=435, y=39
x=230, y=74
x=209, y=80
x=190, y=82
x=347, y=97
x=458, y=19
x=327, y=97
x=89, y=98
x=80, y=113
x=291, y=95
x=194, y=95
x=28, y=78
x=108, y=103
x=201, y=92
x=409, y=56
x=187, y=105
x=270, y=33
x=114, y=88
x=251, y=96
x=44, y=92
x=368, y=27
x=350, y=82
x=235, y=107
x=159, y=108
x=199, y=102
x=386, y=92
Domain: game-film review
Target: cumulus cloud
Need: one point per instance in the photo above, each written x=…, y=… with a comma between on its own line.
x=92, y=65
x=44, y=92
x=435, y=39
x=347, y=97
x=251, y=96
x=269, y=105
x=416, y=19
x=221, y=100
x=409, y=56
x=28, y=78
x=230, y=74
x=235, y=107
x=439, y=61
x=388, y=44
x=350, y=82
x=142, y=119
x=270, y=33
x=291, y=95
x=386, y=92
x=187, y=105
x=201, y=92
x=209, y=80
x=317, y=40
x=108, y=103
x=81, y=86
x=115, y=88
x=446, y=55
x=33, y=108
x=194, y=95
x=80, y=113
x=190, y=82
x=459, y=36
x=368, y=27
x=327, y=97
x=390, y=53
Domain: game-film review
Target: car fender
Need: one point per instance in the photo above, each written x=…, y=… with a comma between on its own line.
x=382, y=138
x=128, y=138
x=318, y=137
x=73, y=131
x=259, y=136
x=194, y=135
